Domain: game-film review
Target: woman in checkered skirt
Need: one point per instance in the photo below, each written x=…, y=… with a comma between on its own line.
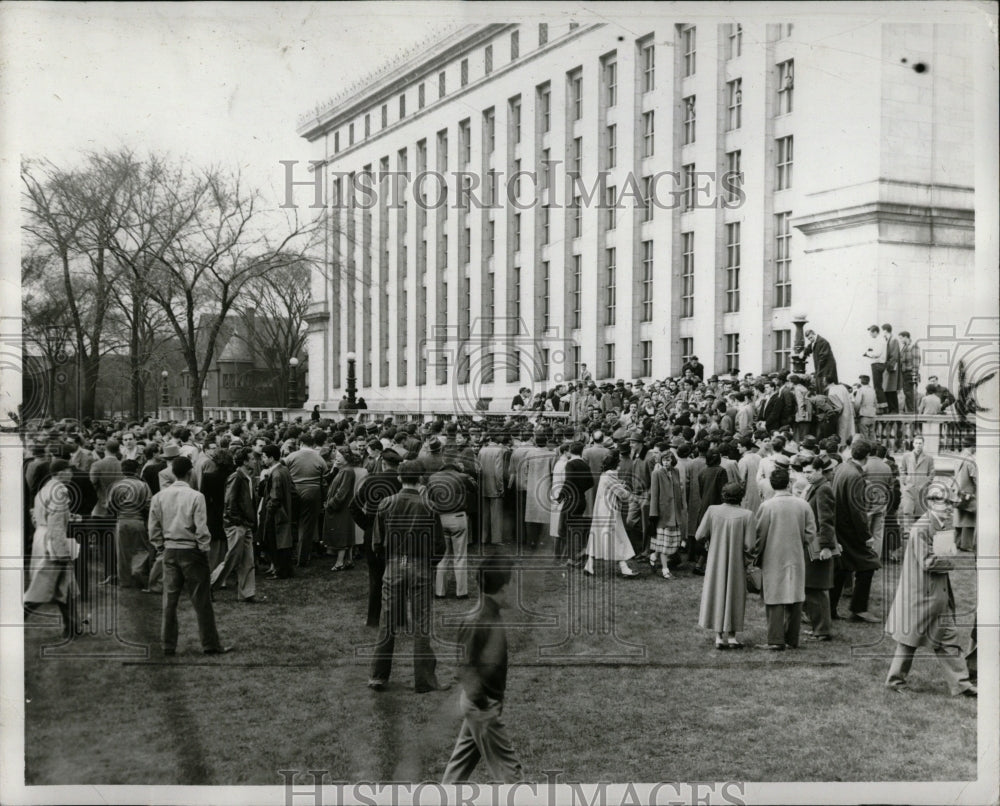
x=667, y=509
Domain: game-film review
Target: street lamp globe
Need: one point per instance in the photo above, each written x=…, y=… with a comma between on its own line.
x=351, y=357
x=164, y=374
x=293, y=362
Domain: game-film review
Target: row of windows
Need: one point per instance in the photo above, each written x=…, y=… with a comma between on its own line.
x=647, y=56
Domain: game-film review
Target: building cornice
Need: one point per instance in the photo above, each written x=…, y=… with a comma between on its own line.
x=349, y=104
x=925, y=218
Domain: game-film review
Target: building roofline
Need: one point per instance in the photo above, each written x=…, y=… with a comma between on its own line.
x=392, y=78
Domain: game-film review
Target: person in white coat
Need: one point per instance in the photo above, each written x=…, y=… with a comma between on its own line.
x=607, y=539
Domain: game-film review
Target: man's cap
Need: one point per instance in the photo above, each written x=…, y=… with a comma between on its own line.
x=391, y=458
x=171, y=452
x=434, y=445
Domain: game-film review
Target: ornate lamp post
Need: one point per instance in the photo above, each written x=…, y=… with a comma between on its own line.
x=293, y=382
x=164, y=396
x=799, y=345
x=352, y=385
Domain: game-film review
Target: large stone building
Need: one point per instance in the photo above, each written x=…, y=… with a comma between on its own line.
x=821, y=168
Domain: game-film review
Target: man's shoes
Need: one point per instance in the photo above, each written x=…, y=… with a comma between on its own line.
x=112, y=580
x=866, y=617
x=222, y=650
x=253, y=599
x=775, y=647
x=435, y=687
x=972, y=691
x=462, y=597
x=698, y=571
x=814, y=637
x=441, y=596
x=376, y=685
x=898, y=688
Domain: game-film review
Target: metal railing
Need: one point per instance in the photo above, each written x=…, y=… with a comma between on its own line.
x=941, y=432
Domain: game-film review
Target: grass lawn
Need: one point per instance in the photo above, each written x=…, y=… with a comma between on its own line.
x=649, y=700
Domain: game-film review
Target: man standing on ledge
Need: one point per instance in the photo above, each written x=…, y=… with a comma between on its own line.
x=410, y=537
x=178, y=525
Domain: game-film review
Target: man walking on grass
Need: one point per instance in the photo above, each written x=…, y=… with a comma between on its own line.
x=483, y=641
x=178, y=526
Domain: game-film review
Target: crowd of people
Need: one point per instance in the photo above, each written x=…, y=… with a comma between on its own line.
x=713, y=477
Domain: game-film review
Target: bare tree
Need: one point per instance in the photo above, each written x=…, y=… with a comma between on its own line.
x=70, y=215
x=272, y=313
x=207, y=242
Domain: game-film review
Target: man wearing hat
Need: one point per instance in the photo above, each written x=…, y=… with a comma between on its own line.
x=923, y=612
x=432, y=460
x=695, y=367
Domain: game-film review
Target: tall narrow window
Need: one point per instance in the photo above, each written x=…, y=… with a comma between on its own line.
x=577, y=156
x=368, y=125
x=546, y=219
x=491, y=238
x=517, y=296
x=543, y=33
x=610, y=286
x=610, y=199
x=385, y=115
x=611, y=82
x=577, y=291
x=490, y=130
x=545, y=295
x=517, y=232
x=336, y=142
x=734, y=108
x=515, y=119
x=735, y=49
x=421, y=96
x=609, y=360
x=465, y=142
x=688, y=44
x=648, y=203
x=732, y=353
x=786, y=83
x=782, y=349
x=648, y=132
x=687, y=274
x=784, y=163
x=687, y=349
x=648, y=67
x=611, y=152
x=489, y=59
x=733, y=267
x=516, y=174
x=577, y=217
x=782, y=260
x=515, y=45
x=545, y=108
x=647, y=281
x=734, y=177
x=646, y=369
x=576, y=94
x=689, y=120
x=688, y=177
x=465, y=71
x=441, y=84
x=785, y=30
x=350, y=134
x=402, y=107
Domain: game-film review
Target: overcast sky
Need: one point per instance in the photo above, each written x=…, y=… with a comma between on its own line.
x=213, y=82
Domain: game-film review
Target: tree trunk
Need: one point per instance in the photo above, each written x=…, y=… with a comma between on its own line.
x=135, y=384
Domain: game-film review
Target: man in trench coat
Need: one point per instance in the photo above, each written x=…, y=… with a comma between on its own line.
x=923, y=612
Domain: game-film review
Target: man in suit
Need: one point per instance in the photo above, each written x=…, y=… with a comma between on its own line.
x=594, y=455
x=374, y=488
x=240, y=522
x=307, y=469
x=277, y=519
x=916, y=471
x=890, y=381
x=853, y=534
x=696, y=368
x=876, y=353
x=824, y=364
x=103, y=475
x=579, y=480
x=409, y=535
x=493, y=459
